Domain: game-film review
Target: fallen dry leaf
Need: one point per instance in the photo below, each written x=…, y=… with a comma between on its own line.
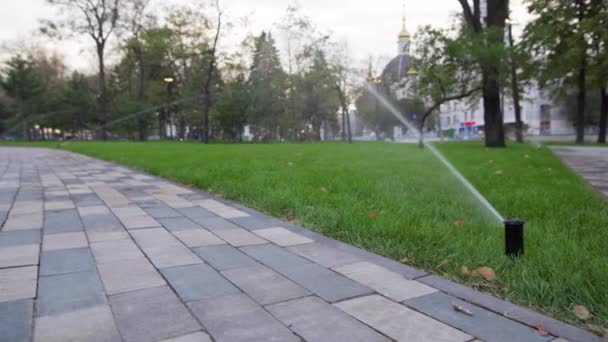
x=464, y=271
x=462, y=309
x=290, y=164
x=443, y=263
x=323, y=189
x=500, y=172
x=373, y=214
x=581, y=312
x=485, y=272
x=459, y=222
x=290, y=216
x=404, y=260
x=541, y=330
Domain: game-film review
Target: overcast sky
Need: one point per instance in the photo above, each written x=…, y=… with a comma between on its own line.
x=369, y=27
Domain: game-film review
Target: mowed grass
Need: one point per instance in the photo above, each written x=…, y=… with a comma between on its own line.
x=399, y=201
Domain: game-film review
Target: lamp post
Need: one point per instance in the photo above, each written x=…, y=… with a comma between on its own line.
x=519, y=127
x=169, y=81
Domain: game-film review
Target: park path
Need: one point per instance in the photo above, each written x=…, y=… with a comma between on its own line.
x=93, y=251
x=591, y=163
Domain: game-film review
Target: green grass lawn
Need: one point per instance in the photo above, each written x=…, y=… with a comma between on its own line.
x=399, y=201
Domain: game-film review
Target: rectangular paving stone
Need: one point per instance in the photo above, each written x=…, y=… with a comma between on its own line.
x=324, y=255
x=275, y=257
x=324, y=282
x=18, y=283
x=132, y=217
x=225, y=257
x=386, y=282
x=175, y=224
x=69, y=292
x=237, y=318
x=163, y=249
x=229, y=213
x=64, y=221
x=94, y=324
x=66, y=261
x=86, y=200
x=196, y=337
x=23, y=221
x=398, y=322
x=264, y=285
x=239, y=237
x=162, y=211
x=317, y=321
x=196, y=214
x=253, y=223
x=216, y=223
x=119, y=250
x=19, y=255
x=151, y=315
x=282, y=237
x=20, y=237
x=58, y=205
x=53, y=242
x=198, y=238
x=484, y=324
x=16, y=320
x=129, y=275
x=196, y=282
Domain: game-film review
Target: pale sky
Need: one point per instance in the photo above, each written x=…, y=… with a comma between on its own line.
x=370, y=28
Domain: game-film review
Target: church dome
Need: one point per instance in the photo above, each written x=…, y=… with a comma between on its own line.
x=396, y=70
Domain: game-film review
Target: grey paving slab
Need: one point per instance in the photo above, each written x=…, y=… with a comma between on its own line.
x=398, y=322
x=195, y=337
x=315, y=320
x=51, y=242
x=63, y=221
x=66, y=261
x=129, y=275
x=196, y=214
x=324, y=255
x=162, y=211
x=151, y=314
x=196, y=282
x=163, y=249
x=253, y=223
x=19, y=255
x=225, y=257
x=69, y=292
x=86, y=200
x=118, y=250
x=282, y=236
x=239, y=237
x=264, y=285
x=216, y=223
x=20, y=237
x=386, y=282
x=238, y=318
x=175, y=224
x=18, y=283
x=275, y=257
x=16, y=320
x=198, y=238
x=483, y=324
x=94, y=324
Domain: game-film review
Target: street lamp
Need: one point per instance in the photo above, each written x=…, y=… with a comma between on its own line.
x=169, y=81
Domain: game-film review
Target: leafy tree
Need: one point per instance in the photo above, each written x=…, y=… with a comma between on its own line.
x=232, y=108
x=267, y=82
x=79, y=102
x=97, y=20
x=489, y=52
x=24, y=85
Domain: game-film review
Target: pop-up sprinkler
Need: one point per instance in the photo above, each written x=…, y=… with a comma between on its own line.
x=514, y=237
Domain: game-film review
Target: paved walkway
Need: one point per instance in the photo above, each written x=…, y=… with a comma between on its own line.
x=92, y=251
x=589, y=162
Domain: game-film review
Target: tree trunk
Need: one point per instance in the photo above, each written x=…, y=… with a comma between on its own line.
x=207, y=85
x=102, y=101
x=603, y=116
x=350, y=133
x=141, y=121
x=581, y=97
x=519, y=125
x=494, y=130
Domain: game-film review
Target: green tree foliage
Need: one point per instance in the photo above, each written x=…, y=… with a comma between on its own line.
x=232, y=106
x=23, y=84
x=78, y=100
x=267, y=82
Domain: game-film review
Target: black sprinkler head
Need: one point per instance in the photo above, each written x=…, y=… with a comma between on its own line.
x=514, y=237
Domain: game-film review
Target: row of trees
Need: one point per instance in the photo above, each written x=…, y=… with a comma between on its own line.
x=171, y=71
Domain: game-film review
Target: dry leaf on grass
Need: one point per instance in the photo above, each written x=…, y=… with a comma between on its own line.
x=443, y=263
x=290, y=216
x=404, y=260
x=323, y=189
x=464, y=271
x=500, y=172
x=485, y=272
x=373, y=214
x=581, y=312
x=462, y=309
x=459, y=222
x=541, y=330
x=290, y=164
